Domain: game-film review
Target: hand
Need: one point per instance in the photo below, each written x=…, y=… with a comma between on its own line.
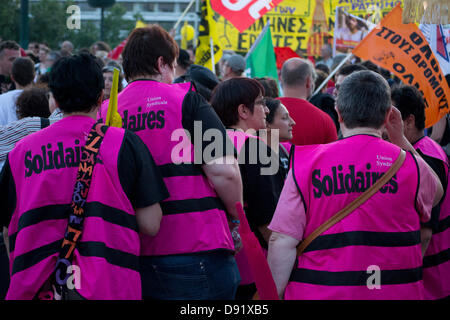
x=394, y=126
x=236, y=239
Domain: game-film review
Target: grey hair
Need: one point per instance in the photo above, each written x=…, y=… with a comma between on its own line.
x=364, y=100
x=295, y=71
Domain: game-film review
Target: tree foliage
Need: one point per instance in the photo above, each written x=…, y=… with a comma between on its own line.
x=48, y=24
x=9, y=20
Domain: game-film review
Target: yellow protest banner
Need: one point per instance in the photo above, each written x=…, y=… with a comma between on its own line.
x=207, y=39
x=371, y=10
x=403, y=50
x=302, y=25
x=291, y=24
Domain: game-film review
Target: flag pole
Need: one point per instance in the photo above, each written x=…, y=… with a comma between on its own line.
x=333, y=73
x=263, y=31
x=211, y=46
x=183, y=14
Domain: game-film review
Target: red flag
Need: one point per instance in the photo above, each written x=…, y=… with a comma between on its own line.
x=283, y=54
x=256, y=259
x=243, y=13
x=115, y=53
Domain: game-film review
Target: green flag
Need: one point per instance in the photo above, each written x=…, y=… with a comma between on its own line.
x=261, y=60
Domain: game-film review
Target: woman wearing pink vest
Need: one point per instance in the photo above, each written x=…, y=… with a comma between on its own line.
x=436, y=262
x=191, y=257
x=376, y=251
x=38, y=184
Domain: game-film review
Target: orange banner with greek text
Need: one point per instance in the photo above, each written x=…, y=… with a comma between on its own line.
x=403, y=50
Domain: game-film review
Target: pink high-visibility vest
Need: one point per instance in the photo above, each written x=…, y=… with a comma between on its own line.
x=373, y=253
x=194, y=218
x=436, y=263
x=44, y=166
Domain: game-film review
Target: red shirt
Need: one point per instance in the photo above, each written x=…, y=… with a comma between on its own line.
x=313, y=126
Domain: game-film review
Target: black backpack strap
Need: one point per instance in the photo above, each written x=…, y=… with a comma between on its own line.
x=45, y=122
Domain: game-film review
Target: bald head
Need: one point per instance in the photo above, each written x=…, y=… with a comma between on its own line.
x=299, y=74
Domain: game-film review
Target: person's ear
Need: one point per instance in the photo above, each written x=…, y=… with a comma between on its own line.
x=100, y=98
x=243, y=112
x=410, y=122
x=340, y=119
x=160, y=64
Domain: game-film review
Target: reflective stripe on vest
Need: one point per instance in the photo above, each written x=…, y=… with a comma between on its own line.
x=153, y=110
x=376, y=245
x=107, y=255
x=436, y=262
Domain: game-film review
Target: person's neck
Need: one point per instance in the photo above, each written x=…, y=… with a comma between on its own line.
x=91, y=114
x=295, y=92
x=155, y=77
x=346, y=132
x=19, y=87
x=242, y=125
x=415, y=136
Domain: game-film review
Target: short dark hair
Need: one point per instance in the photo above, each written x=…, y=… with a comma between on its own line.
x=33, y=102
x=349, y=69
x=323, y=67
x=144, y=47
x=76, y=83
x=364, y=99
x=370, y=66
x=8, y=44
x=231, y=93
x=23, y=71
x=409, y=100
x=272, y=105
x=270, y=87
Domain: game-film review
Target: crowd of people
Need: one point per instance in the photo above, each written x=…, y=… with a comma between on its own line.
x=148, y=211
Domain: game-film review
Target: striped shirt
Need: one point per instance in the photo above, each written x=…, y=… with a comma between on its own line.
x=13, y=132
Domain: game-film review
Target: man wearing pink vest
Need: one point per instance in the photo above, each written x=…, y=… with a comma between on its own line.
x=191, y=257
x=436, y=262
x=37, y=188
x=376, y=251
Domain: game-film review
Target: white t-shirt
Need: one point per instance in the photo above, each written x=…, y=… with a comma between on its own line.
x=8, y=106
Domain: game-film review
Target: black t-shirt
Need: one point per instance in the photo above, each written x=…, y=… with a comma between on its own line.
x=262, y=180
x=196, y=109
x=138, y=175
x=438, y=167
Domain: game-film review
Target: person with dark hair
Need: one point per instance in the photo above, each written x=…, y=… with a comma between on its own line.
x=322, y=67
x=239, y=103
x=343, y=73
x=22, y=74
x=9, y=51
x=280, y=120
x=324, y=179
x=203, y=79
x=436, y=273
x=270, y=87
x=313, y=125
x=183, y=64
x=323, y=100
x=33, y=102
x=191, y=257
x=101, y=240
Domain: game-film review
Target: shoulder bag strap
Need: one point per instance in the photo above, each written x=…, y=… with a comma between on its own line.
x=76, y=217
x=354, y=204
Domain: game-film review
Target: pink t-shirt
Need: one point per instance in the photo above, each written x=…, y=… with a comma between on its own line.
x=290, y=218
